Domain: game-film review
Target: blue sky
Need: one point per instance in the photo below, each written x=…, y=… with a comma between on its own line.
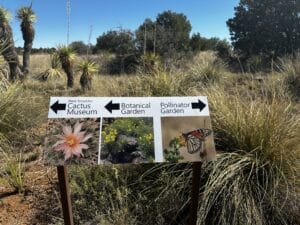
x=206, y=16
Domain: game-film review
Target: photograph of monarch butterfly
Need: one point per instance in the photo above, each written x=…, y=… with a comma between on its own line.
x=194, y=140
x=194, y=136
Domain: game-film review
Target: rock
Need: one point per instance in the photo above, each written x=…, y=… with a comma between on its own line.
x=131, y=141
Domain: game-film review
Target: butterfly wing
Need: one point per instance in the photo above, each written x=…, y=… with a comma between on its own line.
x=194, y=144
x=205, y=132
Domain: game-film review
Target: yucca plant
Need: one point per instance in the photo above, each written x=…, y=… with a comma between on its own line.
x=87, y=68
x=150, y=62
x=7, y=45
x=67, y=56
x=27, y=17
x=54, y=71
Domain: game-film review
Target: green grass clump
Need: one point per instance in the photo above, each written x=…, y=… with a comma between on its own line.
x=206, y=68
x=162, y=83
x=19, y=110
x=290, y=69
x=12, y=170
x=256, y=176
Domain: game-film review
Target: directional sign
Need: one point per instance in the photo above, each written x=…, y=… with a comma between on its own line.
x=56, y=106
x=113, y=130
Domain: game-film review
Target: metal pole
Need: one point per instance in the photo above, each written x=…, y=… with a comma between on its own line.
x=65, y=195
x=195, y=192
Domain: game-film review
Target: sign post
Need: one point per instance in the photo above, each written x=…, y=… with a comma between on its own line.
x=196, y=175
x=65, y=194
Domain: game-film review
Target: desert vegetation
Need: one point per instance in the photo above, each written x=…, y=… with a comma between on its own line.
x=255, y=111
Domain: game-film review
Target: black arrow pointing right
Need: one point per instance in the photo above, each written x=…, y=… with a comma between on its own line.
x=198, y=105
x=56, y=106
x=112, y=106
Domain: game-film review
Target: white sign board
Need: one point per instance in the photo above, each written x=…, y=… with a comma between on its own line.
x=104, y=130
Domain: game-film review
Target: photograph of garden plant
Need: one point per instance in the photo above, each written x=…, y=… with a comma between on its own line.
x=187, y=139
x=244, y=55
x=72, y=141
x=127, y=140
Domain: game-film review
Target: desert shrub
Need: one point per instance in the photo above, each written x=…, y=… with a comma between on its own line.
x=289, y=67
x=103, y=60
x=150, y=63
x=255, y=178
x=257, y=63
x=12, y=169
x=162, y=83
x=123, y=64
x=134, y=194
x=205, y=69
x=18, y=111
x=101, y=194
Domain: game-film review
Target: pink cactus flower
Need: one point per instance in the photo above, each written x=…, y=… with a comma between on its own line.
x=72, y=143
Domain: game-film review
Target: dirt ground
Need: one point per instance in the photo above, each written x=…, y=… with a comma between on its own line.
x=40, y=196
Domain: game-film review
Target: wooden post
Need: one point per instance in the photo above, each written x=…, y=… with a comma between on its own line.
x=195, y=192
x=65, y=195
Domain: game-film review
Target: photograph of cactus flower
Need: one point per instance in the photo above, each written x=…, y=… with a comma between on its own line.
x=187, y=139
x=127, y=140
x=72, y=141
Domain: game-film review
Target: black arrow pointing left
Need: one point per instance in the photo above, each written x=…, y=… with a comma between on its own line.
x=112, y=106
x=56, y=106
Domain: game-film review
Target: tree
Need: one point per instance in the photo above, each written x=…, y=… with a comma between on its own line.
x=79, y=47
x=198, y=43
x=7, y=46
x=27, y=18
x=167, y=35
x=269, y=28
x=146, y=36
x=173, y=30
x=120, y=42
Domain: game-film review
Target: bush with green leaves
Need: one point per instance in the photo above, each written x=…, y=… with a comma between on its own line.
x=172, y=154
x=127, y=135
